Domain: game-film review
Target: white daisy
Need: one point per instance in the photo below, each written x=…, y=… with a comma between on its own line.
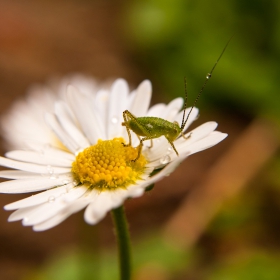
x=68, y=142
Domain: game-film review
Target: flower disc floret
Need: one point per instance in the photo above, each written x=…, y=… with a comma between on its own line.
x=108, y=165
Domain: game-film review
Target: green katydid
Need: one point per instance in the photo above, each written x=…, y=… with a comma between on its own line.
x=153, y=127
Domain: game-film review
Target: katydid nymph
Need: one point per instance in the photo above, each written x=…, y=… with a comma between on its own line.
x=150, y=128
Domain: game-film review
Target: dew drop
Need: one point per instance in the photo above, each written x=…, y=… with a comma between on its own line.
x=208, y=76
x=51, y=199
x=114, y=120
x=169, y=150
x=164, y=160
x=68, y=188
x=50, y=169
x=64, y=182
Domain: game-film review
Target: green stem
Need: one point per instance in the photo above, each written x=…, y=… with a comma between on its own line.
x=122, y=234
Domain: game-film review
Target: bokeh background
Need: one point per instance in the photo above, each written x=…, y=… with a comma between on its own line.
x=217, y=217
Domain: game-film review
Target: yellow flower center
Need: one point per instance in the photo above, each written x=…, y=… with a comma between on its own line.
x=108, y=165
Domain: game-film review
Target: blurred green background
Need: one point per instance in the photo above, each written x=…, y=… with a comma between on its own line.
x=164, y=41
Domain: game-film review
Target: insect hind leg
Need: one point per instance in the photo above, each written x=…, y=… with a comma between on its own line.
x=172, y=145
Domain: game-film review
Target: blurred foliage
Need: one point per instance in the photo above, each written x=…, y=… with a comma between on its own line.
x=151, y=254
x=251, y=266
x=173, y=39
x=243, y=240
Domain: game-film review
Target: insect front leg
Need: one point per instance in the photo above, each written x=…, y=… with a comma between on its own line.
x=126, y=116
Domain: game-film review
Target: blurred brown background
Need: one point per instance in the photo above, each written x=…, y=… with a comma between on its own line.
x=221, y=206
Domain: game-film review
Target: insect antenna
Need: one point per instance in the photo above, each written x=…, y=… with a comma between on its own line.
x=186, y=102
x=208, y=76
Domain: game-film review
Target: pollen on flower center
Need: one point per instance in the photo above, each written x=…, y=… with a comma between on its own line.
x=108, y=165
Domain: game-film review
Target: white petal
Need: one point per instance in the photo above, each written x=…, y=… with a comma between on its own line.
x=26, y=121
x=46, y=196
x=116, y=106
x=66, y=140
x=63, y=114
x=142, y=98
x=16, y=174
x=49, y=209
x=196, y=134
x=212, y=139
x=50, y=151
x=160, y=148
x=166, y=171
x=86, y=116
x=156, y=111
x=101, y=203
x=172, y=109
x=62, y=215
x=34, y=157
x=52, y=222
x=28, y=185
x=29, y=167
x=130, y=99
x=101, y=105
x=21, y=213
x=136, y=190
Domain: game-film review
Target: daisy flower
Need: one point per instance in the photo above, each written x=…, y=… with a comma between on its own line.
x=68, y=145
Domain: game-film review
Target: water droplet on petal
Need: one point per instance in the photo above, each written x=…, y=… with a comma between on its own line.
x=169, y=150
x=51, y=199
x=114, y=120
x=208, y=76
x=50, y=169
x=166, y=159
x=64, y=182
x=25, y=219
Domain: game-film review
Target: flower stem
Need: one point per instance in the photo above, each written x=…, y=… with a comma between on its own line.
x=123, y=239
